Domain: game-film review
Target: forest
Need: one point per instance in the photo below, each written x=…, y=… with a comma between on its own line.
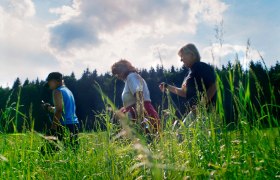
x=26, y=96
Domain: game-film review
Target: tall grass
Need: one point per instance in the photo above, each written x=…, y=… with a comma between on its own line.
x=207, y=149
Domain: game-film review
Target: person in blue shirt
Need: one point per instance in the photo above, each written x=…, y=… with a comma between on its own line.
x=200, y=81
x=65, y=124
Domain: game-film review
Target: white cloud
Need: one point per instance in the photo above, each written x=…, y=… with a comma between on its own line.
x=21, y=8
x=21, y=43
x=209, y=11
x=90, y=33
x=17, y=32
x=96, y=33
x=219, y=55
x=66, y=12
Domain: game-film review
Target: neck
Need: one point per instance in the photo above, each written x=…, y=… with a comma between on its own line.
x=60, y=84
x=125, y=76
x=193, y=64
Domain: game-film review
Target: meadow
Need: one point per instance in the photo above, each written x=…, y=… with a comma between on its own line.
x=207, y=149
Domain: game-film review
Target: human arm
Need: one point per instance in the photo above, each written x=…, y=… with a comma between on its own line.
x=179, y=91
x=210, y=80
x=211, y=92
x=58, y=108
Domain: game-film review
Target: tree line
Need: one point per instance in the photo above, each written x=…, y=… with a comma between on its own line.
x=20, y=104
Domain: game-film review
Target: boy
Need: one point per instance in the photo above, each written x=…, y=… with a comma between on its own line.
x=65, y=122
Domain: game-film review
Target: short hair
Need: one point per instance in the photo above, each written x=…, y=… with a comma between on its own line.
x=55, y=76
x=123, y=66
x=190, y=48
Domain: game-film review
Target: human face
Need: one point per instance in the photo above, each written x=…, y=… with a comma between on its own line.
x=53, y=84
x=119, y=76
x=187, y=59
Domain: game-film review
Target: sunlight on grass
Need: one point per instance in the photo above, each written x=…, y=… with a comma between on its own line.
x=206, y=149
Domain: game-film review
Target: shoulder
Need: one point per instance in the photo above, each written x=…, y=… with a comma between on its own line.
x=207, y=72
x=56, y=92
x=202, y=67
x=133, y=77
x=133, y=74
x=208, y=66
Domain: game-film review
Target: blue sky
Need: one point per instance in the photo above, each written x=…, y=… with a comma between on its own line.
x=40, y=36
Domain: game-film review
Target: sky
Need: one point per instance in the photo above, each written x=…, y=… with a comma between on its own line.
x=41, y=36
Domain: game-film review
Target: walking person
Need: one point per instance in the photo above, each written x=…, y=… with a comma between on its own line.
x=65, y=124
x=136, y=97
x=201, y=77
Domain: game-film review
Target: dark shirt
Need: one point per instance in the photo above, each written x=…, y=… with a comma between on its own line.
x=201, y=76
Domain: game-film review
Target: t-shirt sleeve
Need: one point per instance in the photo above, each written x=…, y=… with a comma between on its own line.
x=206, y=73
x=134, y=83
x=209, y=76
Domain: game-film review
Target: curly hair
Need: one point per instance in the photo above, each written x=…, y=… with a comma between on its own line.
x=123, y=67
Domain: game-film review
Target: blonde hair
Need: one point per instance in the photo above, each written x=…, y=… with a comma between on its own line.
x=123, y=67
x=190, y=48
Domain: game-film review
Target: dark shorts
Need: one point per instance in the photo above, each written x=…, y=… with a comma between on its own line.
x=68, y=134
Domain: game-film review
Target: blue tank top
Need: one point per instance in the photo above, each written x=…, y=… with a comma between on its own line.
x=69, y=107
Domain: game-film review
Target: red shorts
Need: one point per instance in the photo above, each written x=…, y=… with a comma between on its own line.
x=150, y=113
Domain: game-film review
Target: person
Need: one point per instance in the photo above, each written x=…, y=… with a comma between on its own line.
x=65, y=122
x=200, y=76
x=136, y=97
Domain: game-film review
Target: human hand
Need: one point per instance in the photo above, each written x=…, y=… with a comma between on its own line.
x=46, y=107
x=123, y=110
x=163, y=86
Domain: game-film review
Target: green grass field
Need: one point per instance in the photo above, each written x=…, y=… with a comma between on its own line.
x=232, y=155
x=206, y=150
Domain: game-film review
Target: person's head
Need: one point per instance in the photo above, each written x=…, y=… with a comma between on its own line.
x=54, y=80
x=189, y=55
x=122, y=68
